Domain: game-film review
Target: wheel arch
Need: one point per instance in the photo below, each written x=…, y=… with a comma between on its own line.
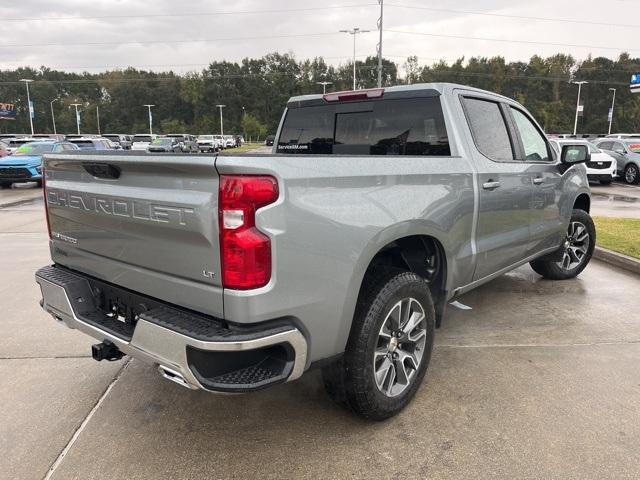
x=582, y=202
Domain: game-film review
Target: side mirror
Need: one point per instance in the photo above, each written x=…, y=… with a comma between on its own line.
x=572, y=154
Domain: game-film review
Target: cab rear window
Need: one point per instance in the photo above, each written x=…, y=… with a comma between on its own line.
x=412, y=126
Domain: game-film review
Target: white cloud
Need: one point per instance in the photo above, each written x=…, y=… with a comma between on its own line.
x=336, y=48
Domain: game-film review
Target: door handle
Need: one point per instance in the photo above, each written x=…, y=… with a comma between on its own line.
x=538, y=181
x=490, y=185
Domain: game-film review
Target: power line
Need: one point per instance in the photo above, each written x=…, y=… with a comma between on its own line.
x=151, y=42
x=503, y=40
x=192, y=14
x=519, y=17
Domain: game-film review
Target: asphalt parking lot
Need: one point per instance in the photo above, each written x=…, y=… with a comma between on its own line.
x=539, y=379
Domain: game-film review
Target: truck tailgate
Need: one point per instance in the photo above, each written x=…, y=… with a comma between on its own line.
x=146, y=222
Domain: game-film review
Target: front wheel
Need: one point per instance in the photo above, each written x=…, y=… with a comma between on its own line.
x=632, y=174
x=389, y=347
x=5, y=184
x=574, y=254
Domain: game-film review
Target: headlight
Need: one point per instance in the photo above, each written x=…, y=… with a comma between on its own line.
x=39, y=170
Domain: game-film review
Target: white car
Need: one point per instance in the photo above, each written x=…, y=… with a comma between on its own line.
x=140, y=142
x=601, y=168
x=208, y=143
x=15, y=143
x=229, y=141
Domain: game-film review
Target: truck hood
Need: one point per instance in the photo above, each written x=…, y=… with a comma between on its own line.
x=21, y=160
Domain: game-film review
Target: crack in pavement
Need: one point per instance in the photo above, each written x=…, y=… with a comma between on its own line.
x=58, y=461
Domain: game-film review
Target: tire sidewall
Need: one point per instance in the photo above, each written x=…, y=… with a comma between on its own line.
x=360, y=371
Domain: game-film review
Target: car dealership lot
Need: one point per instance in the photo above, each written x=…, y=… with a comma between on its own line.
x=539, y=379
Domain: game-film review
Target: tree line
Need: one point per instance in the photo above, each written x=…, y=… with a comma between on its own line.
x=255, y=92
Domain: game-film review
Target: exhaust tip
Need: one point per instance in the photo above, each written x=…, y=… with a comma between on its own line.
x=175, y=377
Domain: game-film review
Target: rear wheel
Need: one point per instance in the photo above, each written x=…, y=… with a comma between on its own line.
x=389, y=347
x=632, y=174
x=574, y=254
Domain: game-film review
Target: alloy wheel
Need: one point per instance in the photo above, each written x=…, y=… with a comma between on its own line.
x=400, y=347
x=631, y=173
x=576, y=245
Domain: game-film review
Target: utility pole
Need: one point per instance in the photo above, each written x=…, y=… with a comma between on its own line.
x=221, y=128
x=53, y=117
x=324, y=86
x=613, y=103
x=150, y=118
x=379, y=48
x=98, y=117
x=77, y=115
x=27, y=81
x=575, y=124
x=355, y=31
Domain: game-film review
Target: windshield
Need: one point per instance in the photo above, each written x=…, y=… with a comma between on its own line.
x=142, y=138
x=34, y=149
x=205, y=137
x=161, y=141
x=84, y=144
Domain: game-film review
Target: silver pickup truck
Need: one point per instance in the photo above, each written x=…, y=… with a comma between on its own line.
x=339, y=250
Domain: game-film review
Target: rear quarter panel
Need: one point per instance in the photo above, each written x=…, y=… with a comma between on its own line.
x=333, y=215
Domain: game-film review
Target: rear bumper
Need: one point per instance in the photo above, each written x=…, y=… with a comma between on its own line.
x=194, y=351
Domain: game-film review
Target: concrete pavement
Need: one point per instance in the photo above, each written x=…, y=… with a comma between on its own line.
x=539, y=379
x=616, y=200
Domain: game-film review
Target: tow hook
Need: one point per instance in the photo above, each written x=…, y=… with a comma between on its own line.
x=105, y=351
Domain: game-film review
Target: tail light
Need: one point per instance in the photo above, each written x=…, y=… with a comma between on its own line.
x=245, y=251
x=44, y=195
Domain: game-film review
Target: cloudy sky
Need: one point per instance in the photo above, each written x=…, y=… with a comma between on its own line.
x=185, y=35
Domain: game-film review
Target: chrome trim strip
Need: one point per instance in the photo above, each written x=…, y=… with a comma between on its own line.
x=158, y=345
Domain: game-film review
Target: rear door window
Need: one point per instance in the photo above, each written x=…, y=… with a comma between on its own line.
x=385, y=127
x=605, y=145
x=488, y=128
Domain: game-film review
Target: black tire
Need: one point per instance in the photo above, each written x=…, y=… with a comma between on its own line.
x=552, y=266
x=632, y=174
x=5, y=184
x=351, y=381
x=39, y=182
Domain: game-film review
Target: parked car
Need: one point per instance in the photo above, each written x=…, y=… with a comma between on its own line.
x=229, y=141
x=94, y=143
x=208, y=143
x=627, y=155
x=124, y=141
x=4, y=149
x=25, y=165
x=140, y=142
x=269, y=140
x=250, y=270
x=165, y=144
x=601, y=168
x=188, y=143
x=14, y=143
x=623, y=135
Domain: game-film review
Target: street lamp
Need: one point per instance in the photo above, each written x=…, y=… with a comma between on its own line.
x=53, y=117
x=613, y=102
x=221, y=128
x=27, y=81
x=324, y=86
x=575, y=124
x=355, y=31
x=150, y=118
x=77, y=115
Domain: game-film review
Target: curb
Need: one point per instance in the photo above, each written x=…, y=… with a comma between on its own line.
x=617, y=259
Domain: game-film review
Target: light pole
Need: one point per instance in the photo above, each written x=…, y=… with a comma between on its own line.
x=27, y=81
x=613, y=102
x=575, y=123
x=98, y=117
x=355, y=31
x=77, y=115
x=221, y=128
x=53, y=117
x=150, y=118
x=324, y=86
x=381, y=2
